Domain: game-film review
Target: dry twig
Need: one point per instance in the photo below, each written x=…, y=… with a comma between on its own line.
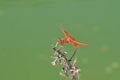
x=69, y=68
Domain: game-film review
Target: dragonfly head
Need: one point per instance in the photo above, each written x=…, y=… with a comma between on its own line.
x=61, y=41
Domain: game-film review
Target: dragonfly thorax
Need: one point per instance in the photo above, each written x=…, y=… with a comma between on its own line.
x=63, y=40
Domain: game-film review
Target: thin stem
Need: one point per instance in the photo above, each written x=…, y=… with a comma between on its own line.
x=73, y=54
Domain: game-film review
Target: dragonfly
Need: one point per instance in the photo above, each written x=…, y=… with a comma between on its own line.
x=69, y=39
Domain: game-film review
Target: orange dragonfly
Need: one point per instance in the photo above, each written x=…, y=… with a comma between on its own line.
x=70, y=40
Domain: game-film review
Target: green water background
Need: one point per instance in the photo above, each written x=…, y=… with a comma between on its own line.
x=28, y=28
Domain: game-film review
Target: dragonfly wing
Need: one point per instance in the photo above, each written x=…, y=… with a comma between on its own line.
x=67, y=35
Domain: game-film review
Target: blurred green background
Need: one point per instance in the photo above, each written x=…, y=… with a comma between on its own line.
x=29, y=28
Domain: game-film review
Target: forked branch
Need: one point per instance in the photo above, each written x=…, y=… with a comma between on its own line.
x=69, y=68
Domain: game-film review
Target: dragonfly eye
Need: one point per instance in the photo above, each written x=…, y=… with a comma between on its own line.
x=61, y=41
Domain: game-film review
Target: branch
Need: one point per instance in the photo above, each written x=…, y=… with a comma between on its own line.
x=69, y=69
